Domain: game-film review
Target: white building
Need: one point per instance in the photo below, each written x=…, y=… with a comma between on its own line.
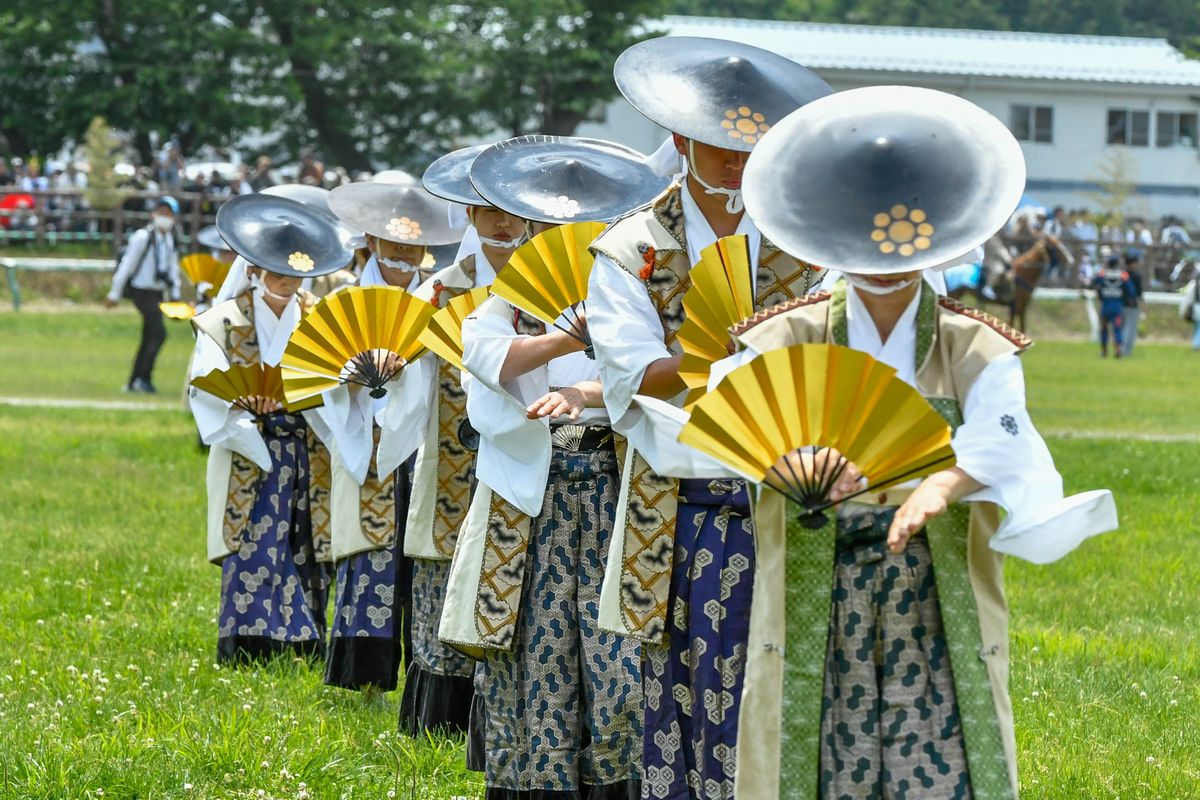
x=1079, y=104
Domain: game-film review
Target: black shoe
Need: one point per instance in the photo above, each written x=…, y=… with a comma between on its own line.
x=143, y=386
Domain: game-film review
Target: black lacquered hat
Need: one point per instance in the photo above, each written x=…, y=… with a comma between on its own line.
x=713, y=91
x=405, y=214
x=283, y=236
x=316, y=197
x=884, y=179
x=209, y=238
x=450, y=176
x=561, y=179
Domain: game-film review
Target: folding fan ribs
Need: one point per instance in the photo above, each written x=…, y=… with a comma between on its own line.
x=547, y=277
x=443, y=334
x=203, y=268
x=240, y=384
x=794, y=418
x=361, y=335
x=721, y=295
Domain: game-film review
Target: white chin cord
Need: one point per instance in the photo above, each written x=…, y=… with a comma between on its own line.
x=871, y=288
x=733, y=197
x=398, y=264
x=257, y=283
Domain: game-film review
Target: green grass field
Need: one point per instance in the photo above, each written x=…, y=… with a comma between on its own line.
x=107, y=681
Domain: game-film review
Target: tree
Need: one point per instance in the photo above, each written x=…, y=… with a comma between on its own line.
x=103, y=191
x=1117, y=184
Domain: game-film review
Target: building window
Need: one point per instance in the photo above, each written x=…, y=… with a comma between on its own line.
x=1175, y=129
x=1032, y=123
x=1130, y=128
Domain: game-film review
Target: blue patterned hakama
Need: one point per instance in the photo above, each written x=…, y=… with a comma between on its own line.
x=693, y=684
x=273, y=590
x=371, y=634
x=562, y=710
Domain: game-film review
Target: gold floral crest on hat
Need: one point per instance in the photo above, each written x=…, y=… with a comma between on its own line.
x=403, y=229
x=561, y=207
x=902, y=231
x=744, y=124
x=301, y=262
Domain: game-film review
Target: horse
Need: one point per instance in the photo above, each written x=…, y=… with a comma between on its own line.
x=1012, y=281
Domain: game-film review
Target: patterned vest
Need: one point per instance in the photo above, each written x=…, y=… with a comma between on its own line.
x=240, y=345
x=652, y=245
x=457, y=441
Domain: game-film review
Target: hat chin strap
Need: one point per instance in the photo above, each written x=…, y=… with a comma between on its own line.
x=256, y=282
x=733, y=197
x=871, y=288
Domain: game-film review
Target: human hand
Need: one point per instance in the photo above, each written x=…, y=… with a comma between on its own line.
x=803, y=465
x=567, y=401
x=110, y=303
x=928, y=501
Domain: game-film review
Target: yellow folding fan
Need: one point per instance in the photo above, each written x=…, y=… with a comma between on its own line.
x=241, y=383
x=443, y=334
x=203, y=268
x=177, y=310
x=347, y=338
x=547, y=277
x=819, y=396
x=721, y=295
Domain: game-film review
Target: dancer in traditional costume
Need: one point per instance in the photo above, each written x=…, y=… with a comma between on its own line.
x=372, y=622
x=558, y=700
x=914, y=658
x=438, y=687
x=680, y=574
x=267, y=473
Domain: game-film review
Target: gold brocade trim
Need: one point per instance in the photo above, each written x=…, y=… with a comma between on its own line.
x=649, y=551
x=498, y=602
x=239, y=500
x=320, y=481
x=455, y=463
x=377, y=501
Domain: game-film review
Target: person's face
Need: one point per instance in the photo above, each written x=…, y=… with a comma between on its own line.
x=394, y=251
x=283, y=285
x=716, y=166
x=492, y=223
x=165, y=213
x=886, y=281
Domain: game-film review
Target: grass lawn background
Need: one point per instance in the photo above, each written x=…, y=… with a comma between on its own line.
x=107, y=682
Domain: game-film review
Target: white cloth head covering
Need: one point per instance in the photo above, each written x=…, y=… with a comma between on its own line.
x=236, y=282
x=666, y=160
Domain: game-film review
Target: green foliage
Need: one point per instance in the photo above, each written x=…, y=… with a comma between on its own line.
x=103, y=191
x=365, y=82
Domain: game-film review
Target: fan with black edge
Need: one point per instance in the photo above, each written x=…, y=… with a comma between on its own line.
x=361, y=334
x=443, y=335
x=242, y=384
x=547, y=277
x=809, y=398
x=720, y=296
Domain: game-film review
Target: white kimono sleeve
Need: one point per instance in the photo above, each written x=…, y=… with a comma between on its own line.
x=350, y=422
x=219, y=423
x=514, y=451
x=998, y=446
x=405, y=421
x=626, y=333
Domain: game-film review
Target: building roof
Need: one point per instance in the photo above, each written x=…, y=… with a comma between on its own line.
x=934, y=51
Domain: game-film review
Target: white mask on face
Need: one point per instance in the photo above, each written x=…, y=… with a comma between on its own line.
x=259, y=285
x=871, y=288
x=733, y=197
x=397, y=263
x=164, y=224
x=512, y=244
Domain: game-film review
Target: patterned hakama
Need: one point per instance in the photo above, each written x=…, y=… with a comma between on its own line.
x=693, y=684
x=562, y=709
x=273, y=590
x=890, y=725
x=371, y=631
x=437, y=685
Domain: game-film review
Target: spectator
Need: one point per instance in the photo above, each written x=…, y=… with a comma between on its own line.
x=1134, y=302
x=1173, y=233
x=312, y=171
x=1112, y=286
x=6, y=177
x=1139, y=234
x=262, y=177
x=34, y=181
x=149, y=268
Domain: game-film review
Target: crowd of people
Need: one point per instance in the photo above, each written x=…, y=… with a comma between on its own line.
x=519, y=520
